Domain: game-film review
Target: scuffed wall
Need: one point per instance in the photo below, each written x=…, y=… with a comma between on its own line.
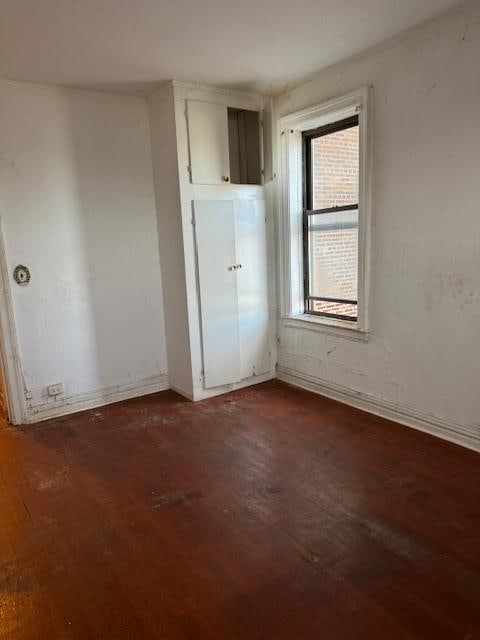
x=423, y=354
x=77, y=207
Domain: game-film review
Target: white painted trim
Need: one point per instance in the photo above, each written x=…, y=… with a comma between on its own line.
x=181, y=392
x=200, y=88
x=218, y=95
x=335, y=327
x=15, y=388
x=204, y=394
x=100, y=397
x=461, y=434
x=289, y=193
x=328, y=111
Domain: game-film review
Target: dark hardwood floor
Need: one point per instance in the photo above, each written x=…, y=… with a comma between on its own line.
x=266, y=513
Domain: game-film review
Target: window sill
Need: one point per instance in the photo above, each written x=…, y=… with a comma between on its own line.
x=328, y=326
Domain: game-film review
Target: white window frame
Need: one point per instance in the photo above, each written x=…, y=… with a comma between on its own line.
x=290, y=199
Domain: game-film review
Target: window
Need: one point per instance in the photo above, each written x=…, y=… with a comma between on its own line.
x=324, y=216
x=330, y=224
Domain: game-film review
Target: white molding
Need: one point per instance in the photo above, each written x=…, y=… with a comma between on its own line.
x=10, y=355
x=181, y=392
x=188, y=87
x=289, y=198
x=461, y=434
x=219, y=95
x=98, y=398
x=204, y=394
x=328, y=111
x=333, y=328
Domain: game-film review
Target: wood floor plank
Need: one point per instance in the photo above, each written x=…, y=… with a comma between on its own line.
x=266, y=513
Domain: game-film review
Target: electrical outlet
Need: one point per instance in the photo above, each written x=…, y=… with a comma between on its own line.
x=55, y=389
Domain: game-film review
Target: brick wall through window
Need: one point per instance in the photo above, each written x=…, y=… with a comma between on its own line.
x=333, y=245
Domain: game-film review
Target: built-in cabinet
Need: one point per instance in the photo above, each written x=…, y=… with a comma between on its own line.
x=224, y=144
x=208, y=142
x=233, y=287
x=219, y=294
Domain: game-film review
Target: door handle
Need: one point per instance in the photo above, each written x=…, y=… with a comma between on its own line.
x=233, y=267
x=238, y=266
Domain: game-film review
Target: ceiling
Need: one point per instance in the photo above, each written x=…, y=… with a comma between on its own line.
x=132, y=45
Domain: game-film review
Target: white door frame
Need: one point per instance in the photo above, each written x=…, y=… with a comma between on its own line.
x=14, y=385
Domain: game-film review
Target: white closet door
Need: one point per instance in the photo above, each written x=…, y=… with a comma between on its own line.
x=252, y=285
x=208, y=142
x=215, y=234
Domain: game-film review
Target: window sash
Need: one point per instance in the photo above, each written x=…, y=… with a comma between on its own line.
x=326, y=314
x=308, y=136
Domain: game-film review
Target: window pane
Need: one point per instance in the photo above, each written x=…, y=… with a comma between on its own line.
x=334, y=308
x=333, y=255
x=335, y=161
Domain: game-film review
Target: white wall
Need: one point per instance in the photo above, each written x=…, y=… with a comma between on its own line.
x=77, y=207
x=423, y=356
x=167, y=191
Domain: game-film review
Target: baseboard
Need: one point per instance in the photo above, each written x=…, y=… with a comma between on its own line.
x=98, y=398
x=464, y=435
x=181, y=392
x=204, y=394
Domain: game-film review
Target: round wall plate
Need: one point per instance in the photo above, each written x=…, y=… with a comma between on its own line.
x=21, y=275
